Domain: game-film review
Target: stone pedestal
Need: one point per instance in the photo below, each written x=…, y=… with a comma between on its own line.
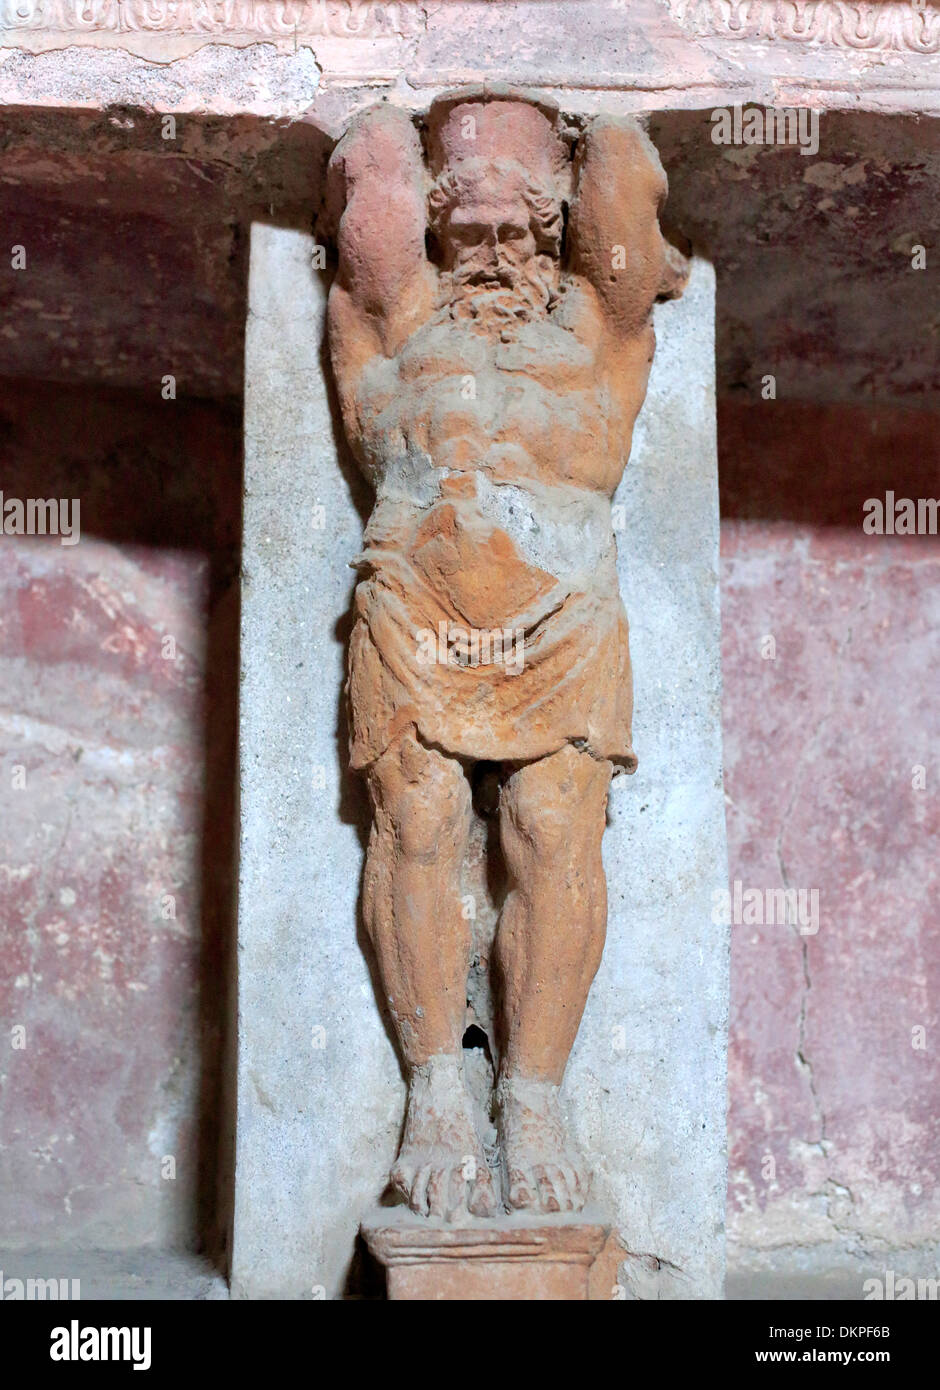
x=493, y=1261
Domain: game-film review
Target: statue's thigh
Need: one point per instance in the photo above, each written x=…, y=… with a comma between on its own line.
x=555, y=807
x=423, y=797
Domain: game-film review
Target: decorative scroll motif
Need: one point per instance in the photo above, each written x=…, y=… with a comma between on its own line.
x=365, y=19
x=903, y=25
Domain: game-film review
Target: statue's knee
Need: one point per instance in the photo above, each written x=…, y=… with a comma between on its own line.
x=534, y=827
x=433, y=812
x=555, y=808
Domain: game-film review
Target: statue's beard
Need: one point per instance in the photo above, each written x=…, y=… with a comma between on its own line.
x=500, y=304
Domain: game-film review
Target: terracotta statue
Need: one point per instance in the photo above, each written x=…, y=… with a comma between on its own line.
x=491, y=338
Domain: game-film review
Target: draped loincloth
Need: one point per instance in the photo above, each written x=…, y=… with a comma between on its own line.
x=548, y=661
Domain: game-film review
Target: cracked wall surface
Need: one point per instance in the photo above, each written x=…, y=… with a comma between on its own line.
x=640, y=54
x=833, y=1111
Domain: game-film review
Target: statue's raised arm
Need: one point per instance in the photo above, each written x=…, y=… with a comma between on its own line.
x=384, y=285
x=614, y=240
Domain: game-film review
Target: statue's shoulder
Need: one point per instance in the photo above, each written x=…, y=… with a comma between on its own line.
x=578, y=311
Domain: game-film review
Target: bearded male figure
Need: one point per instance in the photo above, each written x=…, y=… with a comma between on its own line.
x=491, y=359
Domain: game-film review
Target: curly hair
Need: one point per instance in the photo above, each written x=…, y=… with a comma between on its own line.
x=543, y=202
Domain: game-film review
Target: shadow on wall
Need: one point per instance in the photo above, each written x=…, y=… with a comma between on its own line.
x=818, y=280
x=120, y=385
x=119, y=661
x=817, y=464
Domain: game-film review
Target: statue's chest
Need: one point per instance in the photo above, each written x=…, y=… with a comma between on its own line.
x=453, y=394
x=498, y=365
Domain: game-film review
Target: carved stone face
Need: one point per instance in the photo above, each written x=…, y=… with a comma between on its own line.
x=493, y=242
x=490, y=242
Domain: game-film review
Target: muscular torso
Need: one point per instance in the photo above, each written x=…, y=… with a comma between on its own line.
x=528, y=429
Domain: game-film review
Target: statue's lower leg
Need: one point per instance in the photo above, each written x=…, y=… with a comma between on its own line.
x=549, y=944
x=412, y=910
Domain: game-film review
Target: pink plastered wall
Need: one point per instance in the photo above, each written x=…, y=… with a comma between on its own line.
x=831, y=661
x=117, y=671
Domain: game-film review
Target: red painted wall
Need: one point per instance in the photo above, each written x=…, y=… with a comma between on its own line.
x=116, y=763
x=823, y=742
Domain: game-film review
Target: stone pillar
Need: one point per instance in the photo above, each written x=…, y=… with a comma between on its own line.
x=320, y=1093
x=319, y=1086
x=646, y=1079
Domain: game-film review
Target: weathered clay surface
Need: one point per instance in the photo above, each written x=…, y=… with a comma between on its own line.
x=489, y=389
x=524, y=1260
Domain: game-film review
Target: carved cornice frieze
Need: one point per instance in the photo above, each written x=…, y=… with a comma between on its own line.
x=365, y=19
x=903, y=25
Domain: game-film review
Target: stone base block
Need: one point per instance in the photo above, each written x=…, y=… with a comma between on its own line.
x=511, y=1259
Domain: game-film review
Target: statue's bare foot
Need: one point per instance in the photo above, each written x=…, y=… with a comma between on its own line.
x=441, y=1169
x=544, y=1169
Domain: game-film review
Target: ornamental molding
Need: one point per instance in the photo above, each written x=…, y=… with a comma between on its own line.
x=366, y=19
x=908, y=26
x=904, y=25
